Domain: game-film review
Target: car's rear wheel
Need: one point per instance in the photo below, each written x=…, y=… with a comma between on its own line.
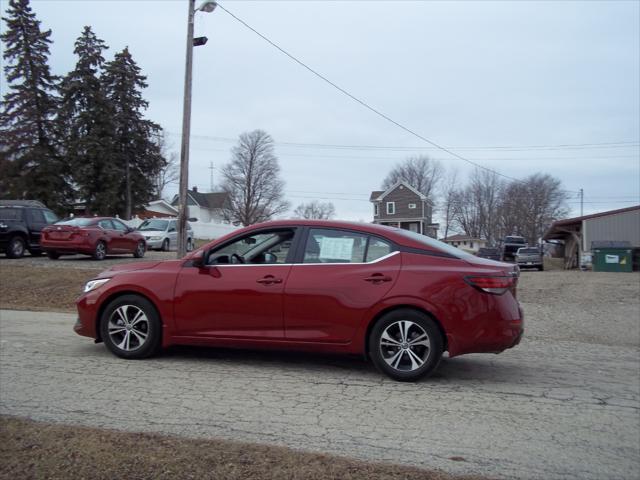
x=130, y=327
x=53, y=255
x=140, y=249
x=406, y=345
x=165, y=245
x=16, y=247
x=100, y=251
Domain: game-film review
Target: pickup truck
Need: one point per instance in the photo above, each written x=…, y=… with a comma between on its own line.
x=20, y=225
x=510, y=246
x=530, y=257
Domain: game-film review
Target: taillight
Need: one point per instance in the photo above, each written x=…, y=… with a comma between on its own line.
x=493, y=285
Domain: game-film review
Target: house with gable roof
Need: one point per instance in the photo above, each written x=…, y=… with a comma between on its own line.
x=403, y=206
x=206, y=207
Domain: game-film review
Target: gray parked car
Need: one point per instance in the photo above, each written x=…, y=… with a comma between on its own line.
x=530, y=257
x=162, y=234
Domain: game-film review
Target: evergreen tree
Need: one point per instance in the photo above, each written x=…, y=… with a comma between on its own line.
x=86, y=124
x=137, y=154
x=36, y=171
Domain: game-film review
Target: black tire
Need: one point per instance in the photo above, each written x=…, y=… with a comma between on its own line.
x=384, y=353
x=149, y=327
x=16, y=247
x=141, y=248
x=100, y=251
x=53, y=255
x=541, y=268
x=165, y=245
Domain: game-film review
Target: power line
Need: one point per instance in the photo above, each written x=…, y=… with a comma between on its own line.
x=606, y=145
x=363, y=103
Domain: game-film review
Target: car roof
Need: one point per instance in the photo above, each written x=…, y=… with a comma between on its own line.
x=392, y=233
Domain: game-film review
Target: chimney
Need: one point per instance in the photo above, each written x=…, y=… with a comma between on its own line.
x=195, y=189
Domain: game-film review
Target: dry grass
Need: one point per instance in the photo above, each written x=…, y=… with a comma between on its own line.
x=42, y=289
x=36, y=450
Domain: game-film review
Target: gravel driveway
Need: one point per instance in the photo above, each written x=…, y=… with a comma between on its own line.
x=563, y=404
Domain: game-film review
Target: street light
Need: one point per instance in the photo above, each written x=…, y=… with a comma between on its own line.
x=207, y=6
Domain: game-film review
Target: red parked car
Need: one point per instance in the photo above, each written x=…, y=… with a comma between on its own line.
x=95, y=236
x=398, y=297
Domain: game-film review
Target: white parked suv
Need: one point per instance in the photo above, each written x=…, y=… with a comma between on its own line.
x=162, y=234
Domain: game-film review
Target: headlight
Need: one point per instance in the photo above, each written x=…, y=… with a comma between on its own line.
x=93, y=284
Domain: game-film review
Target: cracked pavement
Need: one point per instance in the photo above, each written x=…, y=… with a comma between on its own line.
x=548, y=409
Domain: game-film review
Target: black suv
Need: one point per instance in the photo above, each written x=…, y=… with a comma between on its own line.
x=20, y=224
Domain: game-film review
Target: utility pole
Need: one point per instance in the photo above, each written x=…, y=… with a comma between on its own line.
x=211, y=181
x=186, y=130
x=581, y=202
x=207, y=6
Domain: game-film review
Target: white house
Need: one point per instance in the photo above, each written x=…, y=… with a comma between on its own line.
x=206, y=207
x=465, y=242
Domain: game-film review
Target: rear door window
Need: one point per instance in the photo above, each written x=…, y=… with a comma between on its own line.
x=106, y=224
x=334, y=246
x=36, y=216
x=377, y=248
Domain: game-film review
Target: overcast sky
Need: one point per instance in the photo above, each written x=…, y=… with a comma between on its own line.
x=473, y=76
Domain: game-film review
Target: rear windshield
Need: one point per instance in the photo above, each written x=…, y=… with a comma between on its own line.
x=77, y=222
x=529, y=250
x=149, y=225
x=10, y=214
x=433, y=243
x=515, y=240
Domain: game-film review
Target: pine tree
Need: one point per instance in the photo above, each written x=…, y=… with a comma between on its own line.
x=27, y=112
x=86, y=124
x=138, y=155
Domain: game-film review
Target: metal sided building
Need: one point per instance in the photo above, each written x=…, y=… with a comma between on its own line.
x=579, y=234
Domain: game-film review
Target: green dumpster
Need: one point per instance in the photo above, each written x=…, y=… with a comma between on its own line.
x=612, y=260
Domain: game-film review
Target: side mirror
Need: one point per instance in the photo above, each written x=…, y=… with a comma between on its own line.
x=270, y=258
x=193, y=219
x=129, y=229
x=198, y=261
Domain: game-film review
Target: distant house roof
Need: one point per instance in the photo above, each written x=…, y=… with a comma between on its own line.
x=378, y=195
x=211, y=200
x=460, y=238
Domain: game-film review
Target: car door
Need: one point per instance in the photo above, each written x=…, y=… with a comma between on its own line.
x=341, y=276
x=124, y=238
x=236, y=300
x=35, y=223
x=110, y=236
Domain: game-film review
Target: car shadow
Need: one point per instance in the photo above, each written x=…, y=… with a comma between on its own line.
x=472, y=368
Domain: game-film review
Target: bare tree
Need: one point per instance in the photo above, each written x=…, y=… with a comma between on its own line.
x=448, y=192
x=252, y=179
x=170, y=172
x=528, y=207
x=421, y=172
x=476, y=209
x=315, y=210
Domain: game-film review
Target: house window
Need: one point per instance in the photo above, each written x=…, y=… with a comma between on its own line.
x=391, y=208
x=471, y=244
x=375, y=210
x=412, y=206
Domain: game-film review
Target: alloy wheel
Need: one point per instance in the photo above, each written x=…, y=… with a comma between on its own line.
x=17, y=248
x=405, y=346
x=128, y=327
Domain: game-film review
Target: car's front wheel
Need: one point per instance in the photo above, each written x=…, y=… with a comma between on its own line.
x=165, y=245
x=140, y=249
x=100, y=251
x=406, y=345
x=130, y=327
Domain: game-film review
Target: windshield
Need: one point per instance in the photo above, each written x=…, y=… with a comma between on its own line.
x=514, y=240
x=148, y=225
x=76, y=222
x=433, y=243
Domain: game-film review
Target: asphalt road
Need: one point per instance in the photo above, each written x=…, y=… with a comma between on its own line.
x=544, y=410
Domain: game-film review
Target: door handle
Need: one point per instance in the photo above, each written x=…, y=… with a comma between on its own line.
x=269, y=280
x=377, y=278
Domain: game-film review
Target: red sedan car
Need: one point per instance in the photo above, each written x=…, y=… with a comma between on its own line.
x=398, y=297
x=95, y=236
